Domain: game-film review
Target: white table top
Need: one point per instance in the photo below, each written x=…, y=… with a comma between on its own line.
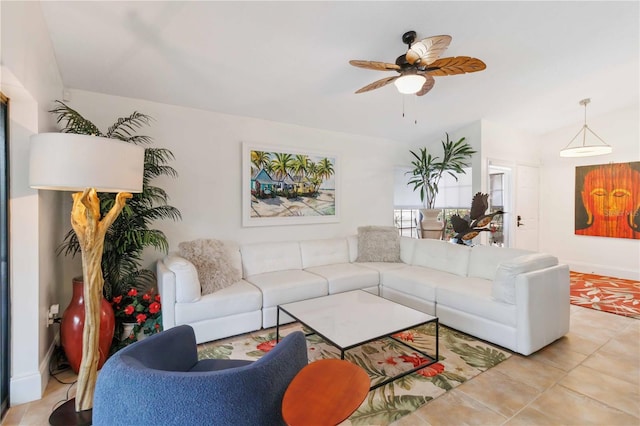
x=354, y=317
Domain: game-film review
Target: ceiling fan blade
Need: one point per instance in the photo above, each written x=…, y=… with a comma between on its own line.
x=377, y=84
x=428, y=85
x=426, y=51
x=455, y=65
x=373, y=65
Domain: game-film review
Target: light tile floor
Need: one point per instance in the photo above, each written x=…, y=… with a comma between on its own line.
x=589, y=377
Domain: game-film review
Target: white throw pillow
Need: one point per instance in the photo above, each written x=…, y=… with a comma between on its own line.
x=187, y=283
x=504, y=283
x=212, y=261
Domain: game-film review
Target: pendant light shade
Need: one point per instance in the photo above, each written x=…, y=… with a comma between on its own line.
x=586, y=149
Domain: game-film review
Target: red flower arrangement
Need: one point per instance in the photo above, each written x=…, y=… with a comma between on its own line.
x=142, y=309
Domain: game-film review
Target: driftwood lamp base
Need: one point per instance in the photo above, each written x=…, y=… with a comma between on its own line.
x=90, y=230
x=66, y=415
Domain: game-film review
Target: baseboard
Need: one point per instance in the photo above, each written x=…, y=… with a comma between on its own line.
x=31, y=387
x=46, y=362
x=590, y=268
x=26, y=388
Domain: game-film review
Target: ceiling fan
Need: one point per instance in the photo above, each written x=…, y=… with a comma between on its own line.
x=419, y=65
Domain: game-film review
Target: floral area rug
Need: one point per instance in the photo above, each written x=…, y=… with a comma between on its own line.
x=462, y=357
x=615, y=295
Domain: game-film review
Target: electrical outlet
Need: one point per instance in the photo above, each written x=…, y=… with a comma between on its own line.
x=53, y=314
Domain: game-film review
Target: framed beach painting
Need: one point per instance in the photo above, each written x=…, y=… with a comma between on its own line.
x=288, y=186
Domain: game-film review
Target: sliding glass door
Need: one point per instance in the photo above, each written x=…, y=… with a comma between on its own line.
x=4, y=255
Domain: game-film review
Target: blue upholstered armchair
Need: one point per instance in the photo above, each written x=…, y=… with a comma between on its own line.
x=159, y=381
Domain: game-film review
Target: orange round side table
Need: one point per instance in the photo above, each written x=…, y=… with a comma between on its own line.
x=324, y=392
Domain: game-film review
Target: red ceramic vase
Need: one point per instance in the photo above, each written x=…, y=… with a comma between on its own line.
x=72, y=326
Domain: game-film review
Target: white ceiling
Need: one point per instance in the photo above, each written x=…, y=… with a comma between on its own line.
x=288, y=61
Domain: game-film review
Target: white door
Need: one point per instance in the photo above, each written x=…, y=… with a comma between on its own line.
x=526, y=195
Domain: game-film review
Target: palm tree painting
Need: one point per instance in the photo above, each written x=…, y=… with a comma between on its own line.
x=290, y=184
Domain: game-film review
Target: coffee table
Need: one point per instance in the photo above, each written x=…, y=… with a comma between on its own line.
x=350, y=319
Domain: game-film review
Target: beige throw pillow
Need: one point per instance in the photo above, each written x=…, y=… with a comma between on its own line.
x=378, y=244
x=211, y=259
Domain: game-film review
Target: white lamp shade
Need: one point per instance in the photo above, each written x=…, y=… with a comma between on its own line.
x=71, y=162
x=586, y=151
x=410, y=83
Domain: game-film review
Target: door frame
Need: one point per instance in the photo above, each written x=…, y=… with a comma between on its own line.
x=5, y=318
x=508, y=167
x=511, y=200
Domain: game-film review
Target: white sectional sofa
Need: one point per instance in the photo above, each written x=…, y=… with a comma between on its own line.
x=513, y=298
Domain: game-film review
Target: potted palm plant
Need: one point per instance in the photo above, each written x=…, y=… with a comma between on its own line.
x=131, y=232
x=426, y=174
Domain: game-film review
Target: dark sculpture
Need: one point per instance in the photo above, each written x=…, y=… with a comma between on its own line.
x=477, y=221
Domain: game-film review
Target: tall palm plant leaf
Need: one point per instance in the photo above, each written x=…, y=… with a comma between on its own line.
x=127, y=237
x=73, y=121
x=125, y=127
x=428, y=170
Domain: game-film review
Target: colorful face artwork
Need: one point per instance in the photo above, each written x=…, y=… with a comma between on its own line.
x=608, y=200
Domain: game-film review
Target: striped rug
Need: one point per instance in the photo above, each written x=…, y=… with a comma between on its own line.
x=615, y=295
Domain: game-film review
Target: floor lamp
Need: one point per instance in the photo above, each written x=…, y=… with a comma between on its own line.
x=91, y=164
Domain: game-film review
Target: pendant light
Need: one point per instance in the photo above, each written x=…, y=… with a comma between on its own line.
x=586, y=149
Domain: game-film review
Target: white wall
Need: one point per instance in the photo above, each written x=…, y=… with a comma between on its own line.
x=609, y=256
x=30, y=79
x=208, y=148
x=473, y=136
x=506, y=144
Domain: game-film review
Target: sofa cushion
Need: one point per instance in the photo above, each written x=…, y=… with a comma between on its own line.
x=378, y=244
x=442, y=256
x=324, y=252
x=484, y=260
x=473, y=296
x=212, y=261
x=346, y=276
x=233, y=254
x=407, y=247
x=352, y=240
x=504, y=283
x=238, y=298
x=260, y=258
x=187, y=283
x=382, y=266
x=280, y=287
x=415, y=280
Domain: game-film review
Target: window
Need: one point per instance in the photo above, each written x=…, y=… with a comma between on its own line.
x=406, y=220
x=454, y=197
x=496, y=202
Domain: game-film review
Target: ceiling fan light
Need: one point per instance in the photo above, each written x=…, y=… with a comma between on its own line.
x=409, y=84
